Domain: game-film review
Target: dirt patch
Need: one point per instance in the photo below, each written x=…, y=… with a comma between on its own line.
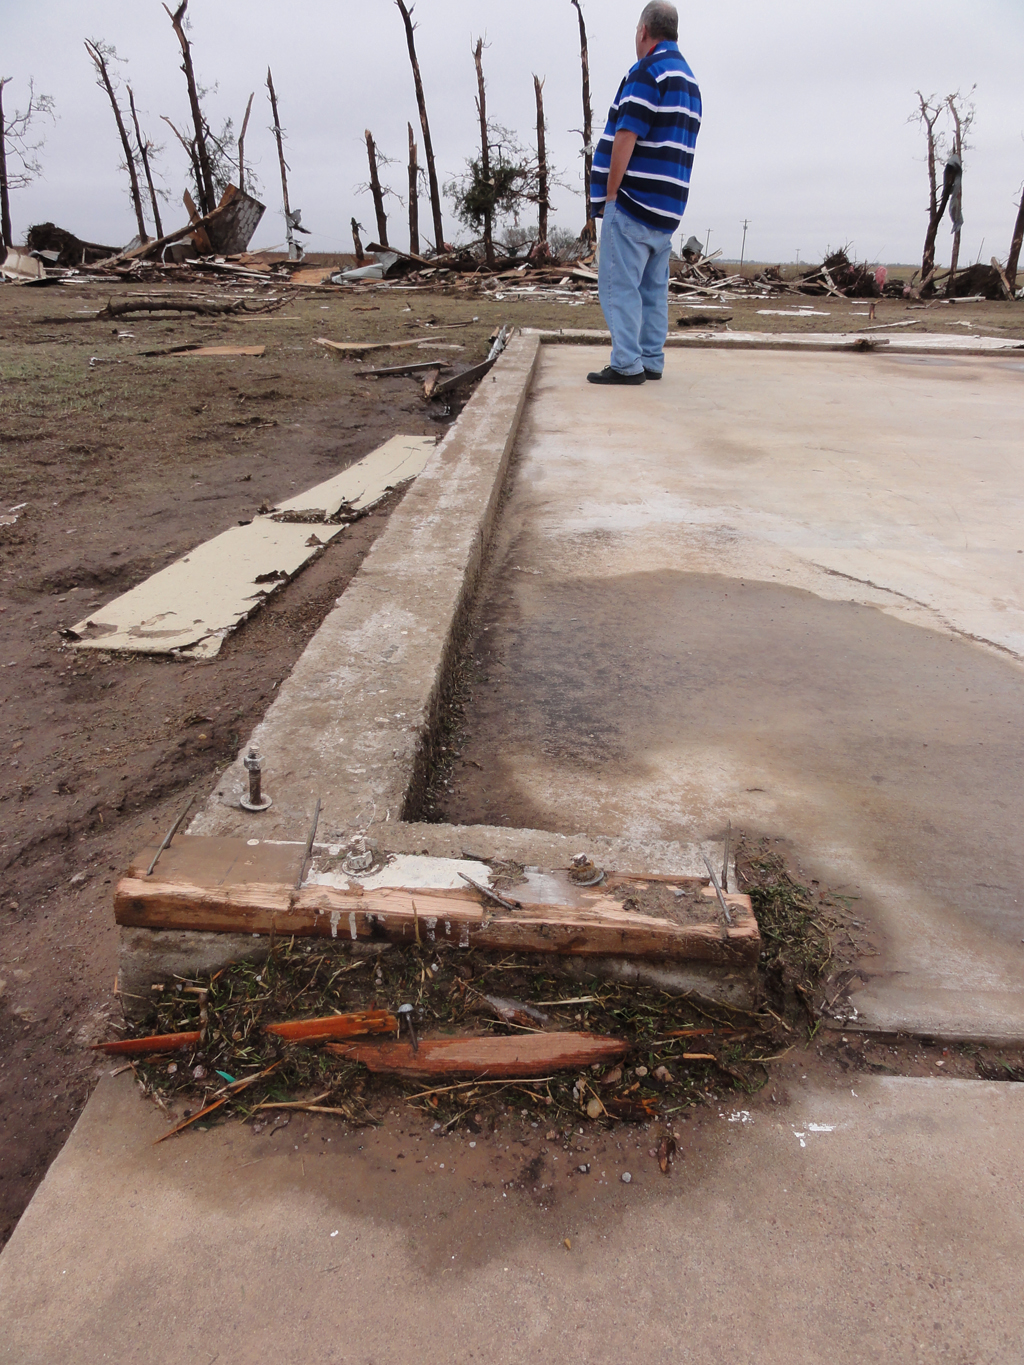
x=113, y=469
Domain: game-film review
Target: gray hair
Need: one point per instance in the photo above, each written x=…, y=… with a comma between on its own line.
x=661, y=20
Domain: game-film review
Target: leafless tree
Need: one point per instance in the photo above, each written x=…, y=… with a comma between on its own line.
x=145, y=147
x=204, y=180
x=241, y=145
x=102, y=55
x=17, y=146
x=590, y=230
x=428, y=149
x=414, y=196
x=485, y=150
x=1017, y=240
x=930, y=109
x=542, y=165
x=961, y=113
x=376, y=191
x=291, y=220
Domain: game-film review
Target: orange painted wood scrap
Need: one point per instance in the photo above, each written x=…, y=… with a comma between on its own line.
x=157, y=1042
x=489, y=1057
x=335, y=1026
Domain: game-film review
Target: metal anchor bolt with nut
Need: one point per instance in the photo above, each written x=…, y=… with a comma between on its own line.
x=256, y=800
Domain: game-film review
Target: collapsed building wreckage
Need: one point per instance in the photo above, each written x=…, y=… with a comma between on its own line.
x=217, y=245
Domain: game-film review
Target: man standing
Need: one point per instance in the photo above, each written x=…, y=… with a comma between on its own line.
x=639, y=185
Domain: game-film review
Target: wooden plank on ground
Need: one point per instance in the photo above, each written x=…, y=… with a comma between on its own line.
x=490, y=1057
x=187, y=893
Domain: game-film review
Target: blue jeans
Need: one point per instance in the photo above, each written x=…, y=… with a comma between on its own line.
x=633, y=288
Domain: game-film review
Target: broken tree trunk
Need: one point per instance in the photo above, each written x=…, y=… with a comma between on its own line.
x=590, y=231
x=542, y=165
x=494, y=1058
x=414, y=197
x=98, y=52
x=5, y=196
x=1015, y=245
x=376, y=191
x=294, y=250
x=204, y=185
x=929, y=115
x=357, y=244
x=485, y=150
x=144, y=154
x=428, y=150
x=241, y=144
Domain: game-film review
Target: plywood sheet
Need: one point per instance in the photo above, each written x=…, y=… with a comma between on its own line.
x=190, y=606
x=363, y=483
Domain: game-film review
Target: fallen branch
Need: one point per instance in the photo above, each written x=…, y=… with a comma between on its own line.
x=515, y=1058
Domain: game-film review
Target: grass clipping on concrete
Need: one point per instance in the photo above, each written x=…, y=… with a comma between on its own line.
x=684, y=1051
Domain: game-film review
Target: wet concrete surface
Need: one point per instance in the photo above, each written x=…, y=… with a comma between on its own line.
x=830, y=1223
x=669, y=642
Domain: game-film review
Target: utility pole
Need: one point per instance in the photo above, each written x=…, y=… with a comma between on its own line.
x=743, y=248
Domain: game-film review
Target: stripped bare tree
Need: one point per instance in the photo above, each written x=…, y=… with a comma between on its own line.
x=360, y=254
x=961, y=113
x=1015, y=245
x=376, y=191
x=241, y=144
x=590, y=230
x=102, y=54
x=145, y=147
x=18, y=149
x=428, y=150
x=543, y=203
x=414, y=196
x=290, y=219
x=485, y=150
x=204, y=179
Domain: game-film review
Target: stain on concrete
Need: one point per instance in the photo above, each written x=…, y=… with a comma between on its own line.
x=662, y=703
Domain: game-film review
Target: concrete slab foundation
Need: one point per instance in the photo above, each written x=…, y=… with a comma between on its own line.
x=881, y=1223
x=785, y=589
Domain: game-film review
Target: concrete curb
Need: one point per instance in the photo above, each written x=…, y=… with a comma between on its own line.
x=352, y=723
x=798, y=341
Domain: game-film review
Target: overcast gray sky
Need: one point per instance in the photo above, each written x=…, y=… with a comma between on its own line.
x=805, y=108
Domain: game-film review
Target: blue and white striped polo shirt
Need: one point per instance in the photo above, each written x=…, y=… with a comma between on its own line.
x=659, y=101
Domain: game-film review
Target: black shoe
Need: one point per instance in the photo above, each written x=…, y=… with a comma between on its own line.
x=610, y=376
x=652, y=374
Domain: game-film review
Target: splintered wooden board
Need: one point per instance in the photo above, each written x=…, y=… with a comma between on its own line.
x=205, y=884
x=532, y=1054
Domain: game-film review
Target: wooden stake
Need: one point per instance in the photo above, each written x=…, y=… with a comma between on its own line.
x=376, y=191
x=428, y=150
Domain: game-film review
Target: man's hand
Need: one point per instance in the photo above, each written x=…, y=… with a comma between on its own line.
x=622, y=150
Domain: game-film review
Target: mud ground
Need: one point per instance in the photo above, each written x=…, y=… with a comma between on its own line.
x=124, y=462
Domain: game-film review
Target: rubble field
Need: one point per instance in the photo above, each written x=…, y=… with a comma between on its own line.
x=119, y=454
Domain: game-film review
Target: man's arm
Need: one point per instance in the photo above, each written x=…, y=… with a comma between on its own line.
x=622, y=150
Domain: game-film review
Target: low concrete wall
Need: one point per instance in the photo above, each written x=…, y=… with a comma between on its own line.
x=352, y=723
